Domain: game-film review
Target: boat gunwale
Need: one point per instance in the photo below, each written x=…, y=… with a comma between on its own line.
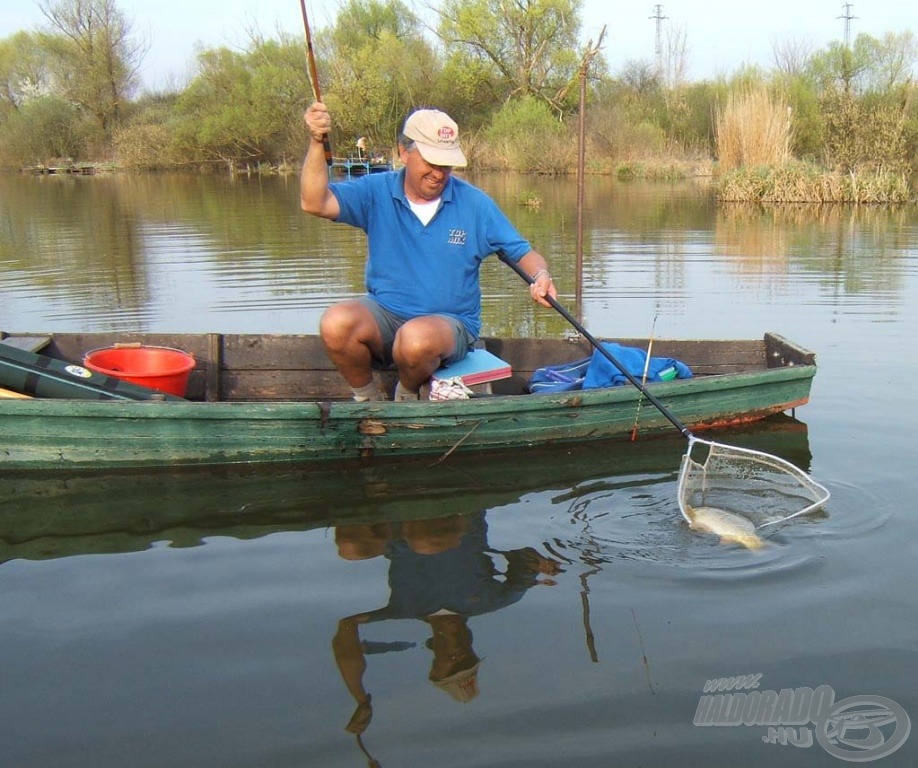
x=482, y=405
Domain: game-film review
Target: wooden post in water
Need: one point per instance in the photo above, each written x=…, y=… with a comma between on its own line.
x=591, y=51
x=581, y=156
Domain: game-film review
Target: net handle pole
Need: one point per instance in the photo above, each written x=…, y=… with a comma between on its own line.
x=605, y=352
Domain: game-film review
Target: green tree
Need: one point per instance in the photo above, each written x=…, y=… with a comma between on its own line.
x=530, y=45
x=863, y=133
x=624, y=121
x=379, y=65
x=146, y=138
x=94, y=57
x=43, y=129
x=23, y=73
x=693, y=116
x=361, y=21
x=870, y=65
x=36, y=125
x=802, y=96
x=864, y=94
x=244, y=107
x=525, y=136
x=469, y=90
x=891, y=61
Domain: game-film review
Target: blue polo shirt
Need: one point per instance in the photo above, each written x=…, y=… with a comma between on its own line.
x=415, y=270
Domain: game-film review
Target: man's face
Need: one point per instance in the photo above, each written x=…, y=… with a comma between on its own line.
x=423, y=181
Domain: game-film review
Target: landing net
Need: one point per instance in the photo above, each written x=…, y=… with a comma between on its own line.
x=764, y=489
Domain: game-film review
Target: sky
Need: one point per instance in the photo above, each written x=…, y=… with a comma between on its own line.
x=720, y=35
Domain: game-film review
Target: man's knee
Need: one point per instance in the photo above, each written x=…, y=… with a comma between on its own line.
x=410, y=346
x=422, y=339
x=340, y=322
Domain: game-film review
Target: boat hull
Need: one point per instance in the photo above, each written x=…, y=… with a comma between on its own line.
x=88, y=434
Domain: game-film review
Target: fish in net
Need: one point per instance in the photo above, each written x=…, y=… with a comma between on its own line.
x=734, y=492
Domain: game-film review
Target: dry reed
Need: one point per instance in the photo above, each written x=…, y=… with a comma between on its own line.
x=804, y=183
x=753, y=129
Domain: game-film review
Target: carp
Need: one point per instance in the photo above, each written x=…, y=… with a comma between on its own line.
x=729, y=526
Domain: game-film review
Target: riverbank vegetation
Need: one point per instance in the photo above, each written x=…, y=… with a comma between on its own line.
x=837, y=124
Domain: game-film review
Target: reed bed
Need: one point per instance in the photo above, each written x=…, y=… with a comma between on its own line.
x=754, y=135
x=800, y=182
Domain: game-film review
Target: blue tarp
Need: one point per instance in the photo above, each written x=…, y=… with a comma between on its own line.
x=597, y=371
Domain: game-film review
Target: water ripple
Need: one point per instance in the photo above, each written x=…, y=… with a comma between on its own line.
x=635, y=521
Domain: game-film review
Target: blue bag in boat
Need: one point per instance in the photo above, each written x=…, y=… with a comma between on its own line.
x=602, y=373
x=559, y=378
x=597, y=371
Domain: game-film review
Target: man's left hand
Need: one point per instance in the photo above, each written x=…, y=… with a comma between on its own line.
x=541, y=287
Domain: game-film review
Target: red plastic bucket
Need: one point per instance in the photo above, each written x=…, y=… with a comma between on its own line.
x=161, y=368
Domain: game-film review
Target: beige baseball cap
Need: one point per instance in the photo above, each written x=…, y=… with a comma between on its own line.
x=437, y=137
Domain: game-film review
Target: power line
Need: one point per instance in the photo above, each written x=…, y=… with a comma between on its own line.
x=658, y=42
x=847, y=17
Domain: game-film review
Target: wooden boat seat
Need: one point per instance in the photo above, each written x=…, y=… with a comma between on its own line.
x=26, y=343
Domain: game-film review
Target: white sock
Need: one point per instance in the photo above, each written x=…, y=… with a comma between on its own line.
x=366, y=392
x=403, y=394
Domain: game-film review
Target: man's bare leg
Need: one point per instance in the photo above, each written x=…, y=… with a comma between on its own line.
x=420, y=346
x=352, y=338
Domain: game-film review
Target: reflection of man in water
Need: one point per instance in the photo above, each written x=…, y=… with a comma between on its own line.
x=441, y=572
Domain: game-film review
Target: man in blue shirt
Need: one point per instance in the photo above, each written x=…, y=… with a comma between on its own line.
x=427, y=234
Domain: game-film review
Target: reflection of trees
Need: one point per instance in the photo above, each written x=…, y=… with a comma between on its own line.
x=110, y=245
x=77, y=235
x=852, y=249
x=254, y=225
x=637, y=239
x=106, y=241
x=621, y=222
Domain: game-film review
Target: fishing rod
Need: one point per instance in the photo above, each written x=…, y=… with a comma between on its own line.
x=314, y=77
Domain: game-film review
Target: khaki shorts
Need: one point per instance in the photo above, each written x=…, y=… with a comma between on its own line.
x=389, y=323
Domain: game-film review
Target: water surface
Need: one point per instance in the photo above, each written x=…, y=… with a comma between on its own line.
x=188, y=619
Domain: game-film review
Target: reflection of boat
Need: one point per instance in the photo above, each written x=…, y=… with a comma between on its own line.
x=47, y=516
x=261, y=399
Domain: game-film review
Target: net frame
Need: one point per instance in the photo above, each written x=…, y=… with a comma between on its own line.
x=763, y=488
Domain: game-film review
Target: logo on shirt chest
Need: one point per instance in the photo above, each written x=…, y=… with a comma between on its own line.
x=456, y=237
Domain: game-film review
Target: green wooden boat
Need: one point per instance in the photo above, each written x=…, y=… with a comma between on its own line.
x=276, y=398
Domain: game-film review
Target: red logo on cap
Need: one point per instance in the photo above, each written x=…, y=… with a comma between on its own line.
x=446, y=133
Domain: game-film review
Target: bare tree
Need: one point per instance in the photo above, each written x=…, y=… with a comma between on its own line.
x=675, y=55
x=791, y=57
x=640, y=76
x=96, y=56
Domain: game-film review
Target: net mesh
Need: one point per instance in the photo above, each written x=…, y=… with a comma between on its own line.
x=763, y=489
